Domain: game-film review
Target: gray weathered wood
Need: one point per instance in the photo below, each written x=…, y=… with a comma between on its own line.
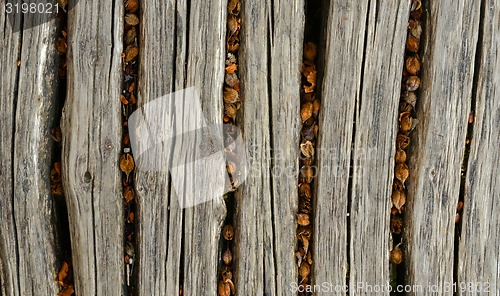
x=374, y=144
x=91, y=127
x=340, y=89
x=9, y=54
x=159, y=229
x=479, y=251
x=267, y=202
x=437, y=147
x=166, y=231
x=28, y=245
x=33, y=203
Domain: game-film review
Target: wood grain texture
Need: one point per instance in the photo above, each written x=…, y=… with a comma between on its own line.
x=267, y=201
x=180, y=246
x=91, y=127
x=374, y=144
x=33, y=147
x=437, y=148
x=9, y=54
x=479, y=250
x=286, y=38
x=340, y=89
x=159, y=229
x=205, y=71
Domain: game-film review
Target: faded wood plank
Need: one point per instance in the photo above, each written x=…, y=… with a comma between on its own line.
x=267, y=201
x=205, y=55
x=9, y=53
x=479, y=251
x=374, y=144
x=437, y=147
x=286, y=38
x=191, y=53
x=33, y=202
x=159, y=228
x=91, y=127
x=340, y=89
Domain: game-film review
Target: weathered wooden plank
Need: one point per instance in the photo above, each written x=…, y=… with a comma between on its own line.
x=91, y=127
x=374, y=145
x=157, y=236
x=479, y=250
x=437, y=148
x=9, y=54
x=286, y=38
x=340, y=89
x=205, y=71
x=265, y=211
x=33, y=203
x=191, y=53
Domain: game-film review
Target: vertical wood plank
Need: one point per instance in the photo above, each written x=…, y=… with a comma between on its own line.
x=204, y=70
x=267, y=201
x=437, y=148
x=9, y=53
x=374, y=144
x=286, y=38
x=479, y=251
x=33, y=203
x=91, y=127
x=159, y=240
x=340, y=89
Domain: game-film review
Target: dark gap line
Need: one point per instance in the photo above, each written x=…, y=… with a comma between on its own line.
x=310, y=106
x=232, y=102
x=132, y=16
x=61, y=216
x=470, y=134
x=14, y=122
x=271, y=138
x=406, y=112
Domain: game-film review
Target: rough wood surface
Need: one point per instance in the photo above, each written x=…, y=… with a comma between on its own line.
x=91, y=127
x=374, y=144
x=159, y=228
x=180, y=246
x=9, y=54
x=437, y=148
x=340, y=89
x=479, y=250
x=267, y=201
x=28, y=245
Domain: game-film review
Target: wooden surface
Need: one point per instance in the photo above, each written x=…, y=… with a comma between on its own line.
x=9, y=253
x=182, y=45
x=91, y=127
x=267, y=201
x=159, y=230
x=180, y=245
x=479, y=250
x=374, y=144
x=27, y=108
x=438, y=141
x=344, y=42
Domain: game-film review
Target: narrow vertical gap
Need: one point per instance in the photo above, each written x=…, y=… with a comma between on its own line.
x=310, y=105
x=410, y=90
x=130, y=68
x=65, y=275
x=14, y=115
x=470, y=134
x=232, y=103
